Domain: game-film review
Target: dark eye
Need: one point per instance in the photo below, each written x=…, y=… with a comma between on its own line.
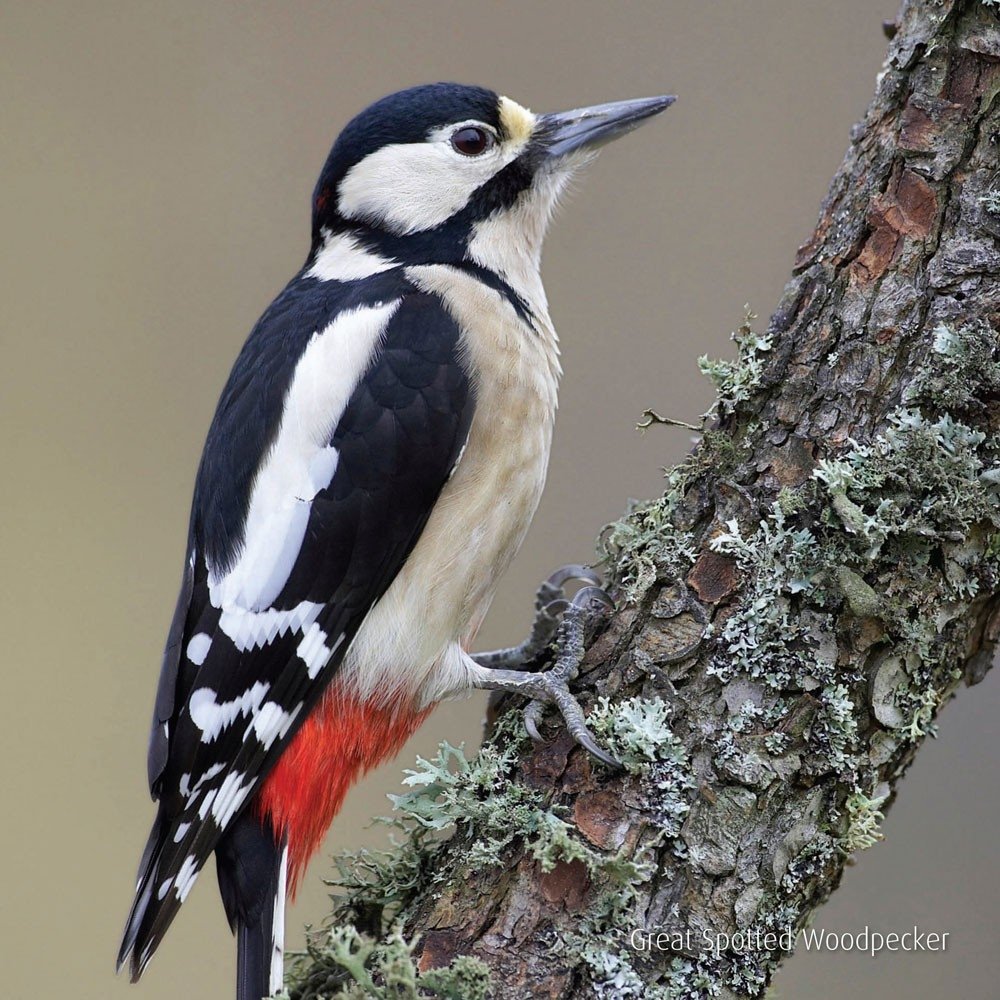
x=472, y=141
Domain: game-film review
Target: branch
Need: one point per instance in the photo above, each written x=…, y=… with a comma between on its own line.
x=820, y=576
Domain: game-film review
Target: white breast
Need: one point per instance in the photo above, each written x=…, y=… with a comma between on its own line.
x=409, y=641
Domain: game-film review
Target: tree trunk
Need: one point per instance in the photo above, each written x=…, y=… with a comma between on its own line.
x=820, y=576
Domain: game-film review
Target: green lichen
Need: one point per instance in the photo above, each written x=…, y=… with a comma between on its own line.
x=810, y=865
x=646, y=544
x=834, y=734
x=860, y=596
x=376, y=888
x=922, y=723
x=449, y=793
x=991, y=199
x=636, y=730
x=923, y=505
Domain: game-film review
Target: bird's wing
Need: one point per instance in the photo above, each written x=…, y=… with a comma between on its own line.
x=325, y=516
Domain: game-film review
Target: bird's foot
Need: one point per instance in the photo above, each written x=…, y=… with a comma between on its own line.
x=551, y=687
x=550, y=605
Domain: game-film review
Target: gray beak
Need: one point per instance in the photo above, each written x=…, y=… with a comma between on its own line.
x=588, y=128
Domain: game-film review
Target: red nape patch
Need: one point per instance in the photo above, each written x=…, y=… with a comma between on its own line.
x=341, y=740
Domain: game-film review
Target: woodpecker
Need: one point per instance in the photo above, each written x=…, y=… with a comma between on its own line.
x=372, y=467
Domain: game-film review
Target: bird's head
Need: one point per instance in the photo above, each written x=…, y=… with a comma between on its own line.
x=440, y=172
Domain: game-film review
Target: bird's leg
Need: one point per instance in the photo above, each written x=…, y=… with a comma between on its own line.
x=551, y=687
x=550, y=604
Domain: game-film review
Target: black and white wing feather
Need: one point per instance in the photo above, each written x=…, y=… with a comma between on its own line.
x=340, y=424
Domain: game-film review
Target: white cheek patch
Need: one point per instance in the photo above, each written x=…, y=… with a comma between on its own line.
x=300, y=463
x=412, y=187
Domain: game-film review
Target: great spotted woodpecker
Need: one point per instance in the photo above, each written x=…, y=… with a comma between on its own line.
x=372, y=467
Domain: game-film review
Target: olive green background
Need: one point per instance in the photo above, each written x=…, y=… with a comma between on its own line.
x=155, y=168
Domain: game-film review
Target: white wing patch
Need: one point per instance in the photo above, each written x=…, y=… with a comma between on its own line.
x=251, y=629
x=272, y=722
x=184, y=786
x=186, y=876
x=206, y=803
x=300, y=463
x=314, y=652
x=211, y=717
x=198, y=647
x=232, y=794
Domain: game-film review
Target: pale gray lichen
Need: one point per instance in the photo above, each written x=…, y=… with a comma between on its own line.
x=644, y=545
x=764, y=638
x=386, y=969
x=963, y=372
x=835, y=731
x=864, y=819
x=809, y=865
x=736, y=381
x=636, y=730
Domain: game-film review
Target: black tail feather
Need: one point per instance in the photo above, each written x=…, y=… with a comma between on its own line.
x=250, y=862
x=142, y=899
x=253, y=960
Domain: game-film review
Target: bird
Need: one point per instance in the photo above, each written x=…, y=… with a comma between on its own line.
x=372, y=467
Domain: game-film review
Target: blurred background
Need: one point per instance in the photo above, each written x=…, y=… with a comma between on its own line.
x=155, y=175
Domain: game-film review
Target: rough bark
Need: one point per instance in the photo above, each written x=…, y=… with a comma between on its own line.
x=818, y=579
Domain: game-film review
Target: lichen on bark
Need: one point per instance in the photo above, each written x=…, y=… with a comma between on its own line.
x=817, y=580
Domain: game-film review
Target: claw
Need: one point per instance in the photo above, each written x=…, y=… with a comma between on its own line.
x=552, y=686
x=564, y=619
x=552, y=588
x=532, y=717
x=551, y=604
x=591, y=597
x=573, y=572
x=555, y=607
